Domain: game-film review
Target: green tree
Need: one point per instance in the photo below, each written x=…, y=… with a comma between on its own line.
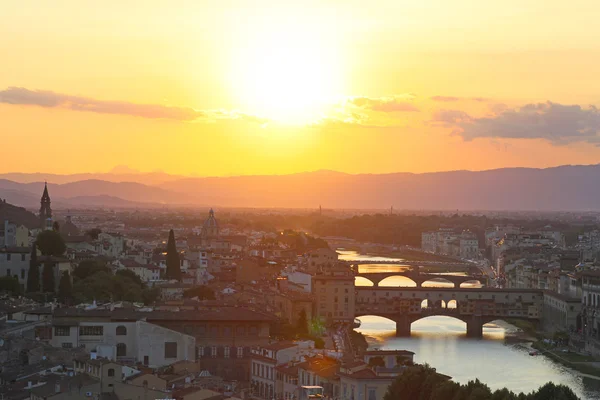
x=48, y=283
x=33, y=275
x=56, y=226
x=132, y=276
x=10, y=284
x=150, y=295
x=550, y=391
x=302, y=323
x=282, y=329
x=51, y=243
x=88, y=268
x=376, y=362
x=173, y=269
x=65, y=289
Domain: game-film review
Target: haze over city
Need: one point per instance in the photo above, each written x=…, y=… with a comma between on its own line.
x=299, y=200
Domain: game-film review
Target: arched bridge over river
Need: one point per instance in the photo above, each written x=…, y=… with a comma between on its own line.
x=420, y=278
x=446, y=264
x=475, y=307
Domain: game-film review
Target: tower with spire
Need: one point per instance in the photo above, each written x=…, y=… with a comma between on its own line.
x=45, y=209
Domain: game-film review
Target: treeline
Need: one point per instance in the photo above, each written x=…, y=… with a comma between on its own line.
x=421, y=382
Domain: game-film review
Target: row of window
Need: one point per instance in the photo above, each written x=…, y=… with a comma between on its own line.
x=8, y=273
x=213, y=351
x=170, y=349
x=88, y=330
x=262, y=371
x=9, y=257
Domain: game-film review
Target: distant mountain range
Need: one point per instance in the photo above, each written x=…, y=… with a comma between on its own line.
x=559, y=188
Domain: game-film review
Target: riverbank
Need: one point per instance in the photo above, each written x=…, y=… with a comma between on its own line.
x=563, y=355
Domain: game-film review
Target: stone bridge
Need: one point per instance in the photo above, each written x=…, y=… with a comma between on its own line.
x=475, y=307
x=420, y=278
x=448, y=264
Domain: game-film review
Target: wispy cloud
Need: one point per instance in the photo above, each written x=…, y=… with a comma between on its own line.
x=49, y=99
x=560, y=124
x=392, y=104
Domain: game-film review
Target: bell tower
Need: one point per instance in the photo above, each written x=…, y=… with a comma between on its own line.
x=45, y=209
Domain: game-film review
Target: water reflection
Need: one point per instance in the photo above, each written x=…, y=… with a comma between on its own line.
x=442, y=343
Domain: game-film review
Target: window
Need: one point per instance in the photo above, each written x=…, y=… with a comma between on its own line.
x=91, y=330
x=68, y=345
x=372, y=394
x=170, y=349
x=8, y=270
x=227, y=351
x=111, y=372
x=253, y=331
x=62, y=331
x=227, y=331
x=240, y=352
x=240, y=331
x=22, y=273
x=213, y=351
x=8, y=256
x=121, y=330
x=23, y=257
x=121, y=350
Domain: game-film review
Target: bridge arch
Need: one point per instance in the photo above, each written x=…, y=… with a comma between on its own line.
x=407, y=281
x=470, y=284
x=362, y=281
x=438, y=282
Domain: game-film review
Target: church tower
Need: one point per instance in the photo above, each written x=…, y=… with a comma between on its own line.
x=45, y=209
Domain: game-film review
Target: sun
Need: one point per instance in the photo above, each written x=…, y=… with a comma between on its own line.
x=289, y=74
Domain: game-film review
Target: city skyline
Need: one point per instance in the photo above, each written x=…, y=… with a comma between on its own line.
x=214, y=90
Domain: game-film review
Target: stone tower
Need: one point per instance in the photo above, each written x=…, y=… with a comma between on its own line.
x=45, y=209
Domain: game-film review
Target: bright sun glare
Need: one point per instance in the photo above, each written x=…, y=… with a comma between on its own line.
x=288, y=74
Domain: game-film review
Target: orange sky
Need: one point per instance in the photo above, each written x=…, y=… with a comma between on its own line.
x=264, y=87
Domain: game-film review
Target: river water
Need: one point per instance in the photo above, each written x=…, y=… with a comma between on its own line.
x=442, y=343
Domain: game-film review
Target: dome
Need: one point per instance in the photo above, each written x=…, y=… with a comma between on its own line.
x=69, y=228
x=211, y=226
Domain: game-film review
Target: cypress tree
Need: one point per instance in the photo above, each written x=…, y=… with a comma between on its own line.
x=65, y=289
x=48, y=278
x=173, y=269
x=33, y=275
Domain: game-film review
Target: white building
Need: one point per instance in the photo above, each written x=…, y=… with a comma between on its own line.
x=135, y=341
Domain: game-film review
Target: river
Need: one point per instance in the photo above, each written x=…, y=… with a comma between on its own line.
x=442, y=343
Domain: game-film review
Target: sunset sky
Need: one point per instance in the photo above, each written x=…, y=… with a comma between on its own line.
x=263, y=87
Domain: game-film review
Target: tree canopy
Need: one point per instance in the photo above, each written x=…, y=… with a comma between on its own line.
x=33, y=275
x=65, y=289
x=10, y=284
x=92, y=280
x=51, y=243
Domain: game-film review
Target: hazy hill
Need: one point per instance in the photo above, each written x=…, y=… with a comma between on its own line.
x=18, y=215
x=560, y=188
x=118, y=174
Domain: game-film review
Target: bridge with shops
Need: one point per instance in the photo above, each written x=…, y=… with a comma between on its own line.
x=444, y=264
x=474, y=306
x=419, y=278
